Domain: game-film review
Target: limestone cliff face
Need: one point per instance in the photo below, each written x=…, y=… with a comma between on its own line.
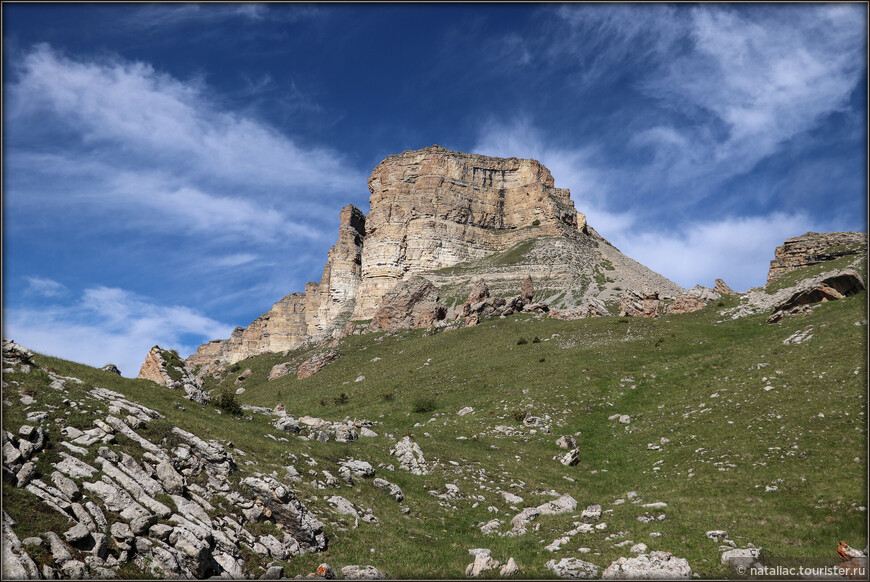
x=298, y=317
x=812, y=248
x=336, y=294
x=448, y=217
x=434, y=208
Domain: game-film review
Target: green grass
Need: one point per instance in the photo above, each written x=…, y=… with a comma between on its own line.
x=723, y=450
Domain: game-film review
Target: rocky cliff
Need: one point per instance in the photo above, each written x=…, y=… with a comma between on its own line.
x=451, y=218
x=812, y=248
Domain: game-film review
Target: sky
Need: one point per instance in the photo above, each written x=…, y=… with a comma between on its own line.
x=172, y=170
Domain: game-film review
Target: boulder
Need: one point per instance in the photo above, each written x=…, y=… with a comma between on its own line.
x=652, y=566
x=362, y=573
x=316, y=363
x=573, y=568
x=722, y=288
x=483, y=562
x=527, y=289
x=410, y=456
x=111, y=368
x=411, y=303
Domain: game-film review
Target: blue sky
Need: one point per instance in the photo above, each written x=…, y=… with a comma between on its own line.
x=171, y=170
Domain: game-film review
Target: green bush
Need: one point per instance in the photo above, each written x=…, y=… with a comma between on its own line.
x=522, y=341
x=424, y=405
x=341, y=399
x=519, y=415
x=537, y=340
x=388, y=395
x=536, y=222
x=227, y=402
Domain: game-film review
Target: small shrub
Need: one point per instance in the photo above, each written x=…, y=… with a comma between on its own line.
x=323, y=402
x=536, y=222
x=227, y=402
x=424, y=405
x=388, y=395
x=537, y=340
x=341, y=399
x=543, y=360
x=235, y=367
x=522, y=341
x=519, y=415
x=721, y=304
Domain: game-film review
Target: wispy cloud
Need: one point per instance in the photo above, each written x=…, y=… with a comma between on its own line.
x=236, y=260
x=110, y=325
x=116, y=103
x=45, y=287
x=732, y=85
x=161, y=153
x=161, y=16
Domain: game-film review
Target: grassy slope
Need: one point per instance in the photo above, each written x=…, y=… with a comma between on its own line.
x=663, y=373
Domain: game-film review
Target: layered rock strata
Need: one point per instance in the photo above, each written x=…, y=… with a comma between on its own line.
x=812, y=248
x=437, y=214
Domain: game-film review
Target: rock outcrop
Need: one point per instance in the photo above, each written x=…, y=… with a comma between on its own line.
x=812, y=248
x=167, y=369
x=830, y=287
x=410, y=303
x=447, y=217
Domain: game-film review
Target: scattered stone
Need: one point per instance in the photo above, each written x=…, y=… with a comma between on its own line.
x=111, y=368
x=509, y=569
x=570, y=458
x=566, y=442
x=391, y=488
x=466, y=410
x=742, y=557
x=717, y=534
x=359, y=468
x=638, y=548
x=483, y=562
x=410, y=456
x=591, y=514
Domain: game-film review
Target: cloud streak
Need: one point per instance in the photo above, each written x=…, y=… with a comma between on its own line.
x=110, y=325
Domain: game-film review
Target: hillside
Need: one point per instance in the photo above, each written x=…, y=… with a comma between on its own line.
x=684, y=424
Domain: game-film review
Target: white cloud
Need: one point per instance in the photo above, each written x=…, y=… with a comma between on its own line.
x=165, y=122
x=110, y=325
x=45, y=287
x=236, y=260
x=738, y=250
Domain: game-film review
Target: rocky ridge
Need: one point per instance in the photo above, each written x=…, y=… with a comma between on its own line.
x=812, y=248
x=448, y=217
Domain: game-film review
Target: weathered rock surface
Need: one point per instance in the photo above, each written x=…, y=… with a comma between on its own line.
x=410, y=456
x=812, y=248
x=830, y=287
x=368, y=572
x=652, y=566
x=316, y=363
x=573, y=568
x=410, y=303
